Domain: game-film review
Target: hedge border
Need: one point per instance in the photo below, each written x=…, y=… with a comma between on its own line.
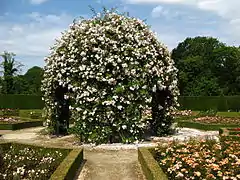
x=150, y=167
x=202, y=126
x=68, y=168
x=20, y=125
x=227, y=132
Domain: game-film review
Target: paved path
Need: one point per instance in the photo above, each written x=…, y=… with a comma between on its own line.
x=111, y=165
x=23, y=134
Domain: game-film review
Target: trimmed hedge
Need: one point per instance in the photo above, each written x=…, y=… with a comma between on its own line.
x=195, y=103
x=18, y=101
x=228, y=132
x=150, y=167
x=67, y=168
x=20, y=125
x=202, y=126
x=203, y=103
x=230, y=137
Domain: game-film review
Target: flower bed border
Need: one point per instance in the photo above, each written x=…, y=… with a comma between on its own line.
x=20, y=125
x=68, y=167
x=203, y=126
x=227, y=132
x=150, y=167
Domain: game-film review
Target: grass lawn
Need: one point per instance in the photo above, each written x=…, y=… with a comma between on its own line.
x=27, y=112
x=229, y=114
x=209, y=120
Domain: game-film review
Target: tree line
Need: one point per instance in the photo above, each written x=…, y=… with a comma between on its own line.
x=11, y=82
x=207, y=67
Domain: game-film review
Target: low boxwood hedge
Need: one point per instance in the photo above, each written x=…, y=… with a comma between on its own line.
x=228, y=132
x=150, y=167
x=21, y=101
x=68, y=167
x=20, y=125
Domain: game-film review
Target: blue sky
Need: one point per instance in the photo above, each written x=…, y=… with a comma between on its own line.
x=29, y=27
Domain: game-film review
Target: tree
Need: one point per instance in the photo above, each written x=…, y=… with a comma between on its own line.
x=226, y=63
x=20, y=85
x=109, y=69
x=193, y=58
x=33, y=77
x=10, y=68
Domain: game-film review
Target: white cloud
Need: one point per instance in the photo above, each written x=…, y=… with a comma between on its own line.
x=31, y=40
x=160, y=11
x=227, y=10
x=36, y=2
x=157, y=11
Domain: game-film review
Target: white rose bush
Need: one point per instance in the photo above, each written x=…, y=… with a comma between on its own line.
x=110, y=68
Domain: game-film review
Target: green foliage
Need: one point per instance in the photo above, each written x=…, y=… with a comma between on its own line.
x=11, y=83
x=204, y=65
x=10, y=68
x=15, y=101
x=33, y=77
x=226, y=63
x=26, y=113
x=204, y=103
x=210, y=112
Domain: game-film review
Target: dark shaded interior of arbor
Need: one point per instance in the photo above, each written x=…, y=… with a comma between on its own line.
x=63, y=112
x=159, y=98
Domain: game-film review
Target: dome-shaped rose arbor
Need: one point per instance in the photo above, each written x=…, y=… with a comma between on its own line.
x=103, y=73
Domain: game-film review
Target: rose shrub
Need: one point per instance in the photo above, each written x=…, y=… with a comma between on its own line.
x=109, y=67
x=205, y=159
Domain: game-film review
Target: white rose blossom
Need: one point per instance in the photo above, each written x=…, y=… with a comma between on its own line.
x=110, y=62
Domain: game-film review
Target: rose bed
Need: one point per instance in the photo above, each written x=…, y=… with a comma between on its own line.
x=200, y=160
x=24, y=162
x=9, y=120
x=217, y=120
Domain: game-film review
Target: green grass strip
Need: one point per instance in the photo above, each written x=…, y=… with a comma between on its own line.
x=202, y=126
x=20, y=125
x=228, y=114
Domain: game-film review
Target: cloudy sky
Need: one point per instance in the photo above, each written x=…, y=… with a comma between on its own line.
x=29, y=27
